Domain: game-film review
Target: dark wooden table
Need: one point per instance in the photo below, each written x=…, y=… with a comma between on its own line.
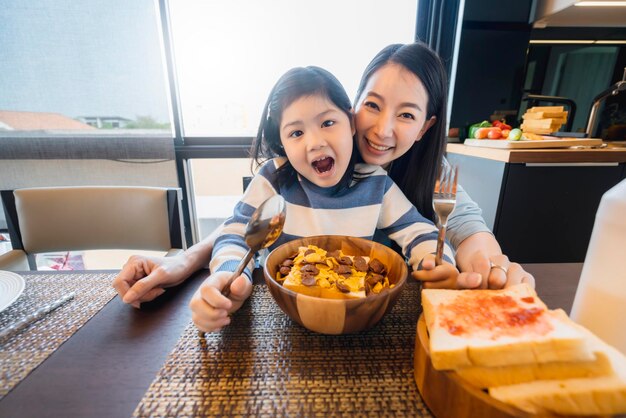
x=104, y=369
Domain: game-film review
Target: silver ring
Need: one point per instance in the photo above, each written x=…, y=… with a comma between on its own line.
x=492, y=265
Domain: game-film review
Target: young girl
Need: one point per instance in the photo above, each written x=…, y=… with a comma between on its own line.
x=305, y=141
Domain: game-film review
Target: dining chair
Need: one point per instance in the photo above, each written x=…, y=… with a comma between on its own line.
x=51, y=219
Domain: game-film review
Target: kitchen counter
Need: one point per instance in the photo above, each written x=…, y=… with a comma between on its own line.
x=545, y=155
x=539, y=203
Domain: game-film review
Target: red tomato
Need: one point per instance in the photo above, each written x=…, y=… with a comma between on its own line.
x=481, y=133
x=500, y=124
x=494, y=133
x=505, y=133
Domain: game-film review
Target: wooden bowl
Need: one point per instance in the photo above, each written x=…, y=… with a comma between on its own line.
x=337, y=316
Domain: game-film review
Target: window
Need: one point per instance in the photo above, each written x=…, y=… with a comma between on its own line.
x=230, y=53
x=576, y=72
x=83, y=67
x=95, y=67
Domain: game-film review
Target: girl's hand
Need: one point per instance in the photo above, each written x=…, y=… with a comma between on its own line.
x=436, y=277
x=492, y=272
x=210, y=309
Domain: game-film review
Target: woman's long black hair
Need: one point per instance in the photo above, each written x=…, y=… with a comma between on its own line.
x=294, y=84
x=415, y=172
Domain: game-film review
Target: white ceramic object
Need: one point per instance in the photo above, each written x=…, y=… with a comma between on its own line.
x=11, y=287
x=600, y=302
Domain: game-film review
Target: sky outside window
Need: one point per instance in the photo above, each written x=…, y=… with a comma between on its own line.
x=229, y=54
x=62, y=61
x=81, y=58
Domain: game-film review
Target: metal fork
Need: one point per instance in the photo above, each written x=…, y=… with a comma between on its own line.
x=444, y=200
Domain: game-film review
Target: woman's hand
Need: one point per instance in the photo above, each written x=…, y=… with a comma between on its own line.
x=210, y=309
x=492, y=272
x=497, y=270
x=483, y=265
x=143, y=278
x=432, y=276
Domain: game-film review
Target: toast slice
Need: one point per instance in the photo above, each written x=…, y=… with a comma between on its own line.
x=544, y=114
x=547, y=123
x=497, y=328
x=485, y=377
x=578, y=396
x=553, y=109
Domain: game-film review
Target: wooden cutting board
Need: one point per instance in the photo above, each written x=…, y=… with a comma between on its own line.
x=526, y=144
x=447, y=395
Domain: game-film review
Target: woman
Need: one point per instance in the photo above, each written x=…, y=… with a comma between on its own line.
x=400, y=122
x=400, y=119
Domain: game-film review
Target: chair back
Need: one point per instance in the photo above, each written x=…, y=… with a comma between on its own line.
x=53, y=219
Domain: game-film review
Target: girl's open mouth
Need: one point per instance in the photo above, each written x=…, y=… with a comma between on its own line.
x=323, y=165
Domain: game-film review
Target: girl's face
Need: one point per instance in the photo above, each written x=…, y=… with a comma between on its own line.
x=391, y=114
x=317, y=138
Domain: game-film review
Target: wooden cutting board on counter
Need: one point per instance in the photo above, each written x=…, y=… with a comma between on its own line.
x=550, y=142
x=447, y=395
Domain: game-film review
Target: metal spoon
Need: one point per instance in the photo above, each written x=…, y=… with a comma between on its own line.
x=264, y=227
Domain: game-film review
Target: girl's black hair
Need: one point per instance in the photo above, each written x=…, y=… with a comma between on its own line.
x=294, y=84
x=415, y=172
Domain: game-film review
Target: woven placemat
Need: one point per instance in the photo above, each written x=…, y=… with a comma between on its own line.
x=264, y=364
x=23, y=352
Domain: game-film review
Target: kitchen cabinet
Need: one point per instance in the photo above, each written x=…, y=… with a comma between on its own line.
x=539, y=203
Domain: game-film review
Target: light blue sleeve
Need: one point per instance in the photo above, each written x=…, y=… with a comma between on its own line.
x=466, y=220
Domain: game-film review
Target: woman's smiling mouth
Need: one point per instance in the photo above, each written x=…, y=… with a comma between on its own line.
x=377, y=147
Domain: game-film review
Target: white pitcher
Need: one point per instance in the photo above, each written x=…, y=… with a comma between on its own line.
x=600, y=303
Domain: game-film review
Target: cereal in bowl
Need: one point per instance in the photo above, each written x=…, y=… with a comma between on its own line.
x=316, y=272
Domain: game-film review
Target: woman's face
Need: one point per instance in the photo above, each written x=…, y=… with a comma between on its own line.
x=390, y=114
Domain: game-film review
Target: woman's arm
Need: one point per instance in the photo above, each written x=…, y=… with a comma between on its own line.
x=477, y=250
x=466, y=219
x=144, y=278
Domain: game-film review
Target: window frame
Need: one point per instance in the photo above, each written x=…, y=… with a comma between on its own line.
x=187, y=148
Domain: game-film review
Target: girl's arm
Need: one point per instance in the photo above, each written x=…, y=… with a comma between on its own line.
x=230, y=247
x=210, y=309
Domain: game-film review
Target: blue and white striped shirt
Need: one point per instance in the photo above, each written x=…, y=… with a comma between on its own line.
x=374, y=202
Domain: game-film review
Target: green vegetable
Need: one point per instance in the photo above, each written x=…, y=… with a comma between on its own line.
x=515, y=134
x=473, y=128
